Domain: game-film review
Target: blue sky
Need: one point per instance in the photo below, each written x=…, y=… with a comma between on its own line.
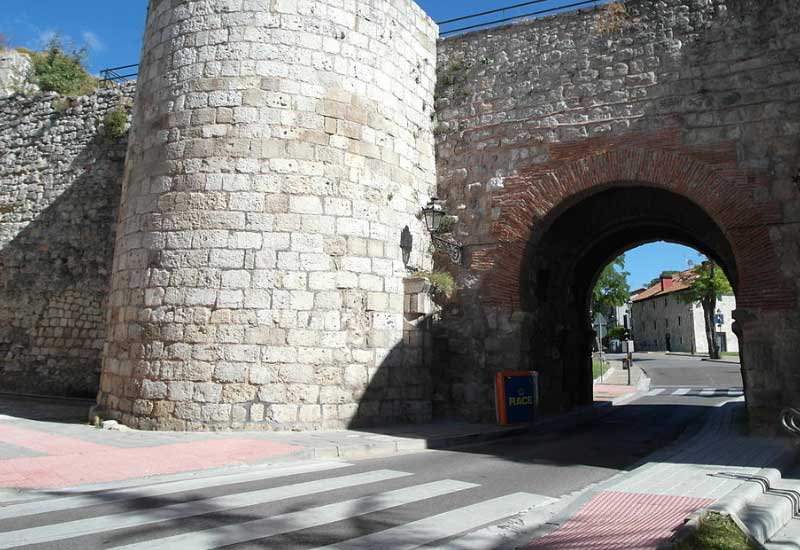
x=112, y=30
x=648, y=261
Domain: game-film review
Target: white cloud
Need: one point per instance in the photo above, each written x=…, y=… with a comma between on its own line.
x=45, y=37
x=93, y=41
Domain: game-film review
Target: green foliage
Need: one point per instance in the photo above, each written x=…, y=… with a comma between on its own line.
x=447, y=224
x=617, y=333
x=611, y=18
x=708, y=282
x=598, y=368
x=717, y=532
x=441, y=281
x=612, y=287
x=115, y=122
x=60, y=71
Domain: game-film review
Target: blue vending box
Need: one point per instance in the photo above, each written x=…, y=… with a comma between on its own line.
x=517, y=395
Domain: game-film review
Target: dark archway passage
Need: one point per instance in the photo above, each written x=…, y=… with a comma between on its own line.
x=565, y=255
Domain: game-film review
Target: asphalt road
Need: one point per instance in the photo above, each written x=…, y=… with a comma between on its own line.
x=324, y=507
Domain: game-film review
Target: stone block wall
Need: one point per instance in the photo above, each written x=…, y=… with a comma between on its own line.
x=278, y=151
x=60, y=179
x=698, y=97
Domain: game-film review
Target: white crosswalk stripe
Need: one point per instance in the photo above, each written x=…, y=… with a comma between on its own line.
x=131, y=524
x=702, y=392
x=304, y=519
x=77, y=528
x=418, y=533
x=95, y=498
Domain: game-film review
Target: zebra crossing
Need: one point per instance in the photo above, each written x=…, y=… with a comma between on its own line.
x=697, y=392
x=237, y=508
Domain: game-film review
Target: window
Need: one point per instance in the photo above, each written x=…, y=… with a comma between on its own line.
x=665, y=301
x=666, y=323
x=654, y=304
x=654, y=326
x=679, y=320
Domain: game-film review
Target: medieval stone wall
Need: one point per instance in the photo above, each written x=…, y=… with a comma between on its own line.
x=278, y=150
x=60, y=177
x=697, y=96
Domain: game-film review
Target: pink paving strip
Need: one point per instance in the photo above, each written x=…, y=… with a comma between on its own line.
x=46, y=442
x=614, y=520
x=114, y=464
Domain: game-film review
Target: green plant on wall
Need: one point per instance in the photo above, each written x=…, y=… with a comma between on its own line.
x=611, y=18
x=56, y=70
x=442, y=283
x=116, y=122
x=447, y=223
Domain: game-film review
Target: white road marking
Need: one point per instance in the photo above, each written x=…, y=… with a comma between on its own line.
x=417, y=533
x=657, y=391
x=706, y=392
x=302, y=519
x=138, y=518
x=682, y=391
x=155, y=490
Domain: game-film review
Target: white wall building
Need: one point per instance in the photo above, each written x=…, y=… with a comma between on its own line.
x=662, y=321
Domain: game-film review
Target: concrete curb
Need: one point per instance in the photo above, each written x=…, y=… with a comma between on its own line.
x=721, y=361
x=758, y=527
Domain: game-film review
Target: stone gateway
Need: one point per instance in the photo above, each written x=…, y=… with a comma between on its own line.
x=280, y=149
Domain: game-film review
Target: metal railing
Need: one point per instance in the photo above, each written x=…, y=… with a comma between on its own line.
x=790, y=420
x=118, y=74
x=475, y=21
x=506, y=15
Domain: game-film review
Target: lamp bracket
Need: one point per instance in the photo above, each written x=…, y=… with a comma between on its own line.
x=453, y=249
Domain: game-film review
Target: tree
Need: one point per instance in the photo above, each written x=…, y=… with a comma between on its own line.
x=708, y=284
x=611, y=289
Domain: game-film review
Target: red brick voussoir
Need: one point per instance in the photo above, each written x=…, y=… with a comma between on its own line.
x=707, y=175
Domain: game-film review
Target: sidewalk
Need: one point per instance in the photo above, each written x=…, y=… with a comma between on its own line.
x=643, y=508
x=46, y=444
x=614, y=386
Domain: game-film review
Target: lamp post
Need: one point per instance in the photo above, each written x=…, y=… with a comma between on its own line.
x=433, y=214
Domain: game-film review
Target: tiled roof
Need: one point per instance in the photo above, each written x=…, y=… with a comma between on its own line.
x=680, y=281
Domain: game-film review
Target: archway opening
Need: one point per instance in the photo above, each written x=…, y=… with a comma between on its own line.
x=565, y=256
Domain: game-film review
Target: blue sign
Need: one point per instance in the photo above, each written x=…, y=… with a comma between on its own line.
x=520, y=393
x=719, y=319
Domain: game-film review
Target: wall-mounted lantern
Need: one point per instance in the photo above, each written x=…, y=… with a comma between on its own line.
x=433, y=214
x=406, y=244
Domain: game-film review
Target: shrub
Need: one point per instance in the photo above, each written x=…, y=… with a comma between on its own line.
x=58, y=71
x=115, y=122
x=442, y=282
x=612, y=18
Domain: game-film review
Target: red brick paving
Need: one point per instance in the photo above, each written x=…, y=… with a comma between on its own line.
x=615, y=520
x=71, y=461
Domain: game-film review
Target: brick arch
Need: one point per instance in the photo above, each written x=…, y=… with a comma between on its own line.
x=708, y=177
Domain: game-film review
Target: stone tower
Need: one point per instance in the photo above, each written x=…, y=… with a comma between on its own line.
x=278, y=149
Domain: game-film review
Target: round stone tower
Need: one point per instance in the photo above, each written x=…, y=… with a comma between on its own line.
x=278, y=149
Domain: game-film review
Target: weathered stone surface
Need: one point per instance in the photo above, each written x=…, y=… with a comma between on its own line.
x=692, y=105
x=15, y=72
x=268, y=182
x=60, y=178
